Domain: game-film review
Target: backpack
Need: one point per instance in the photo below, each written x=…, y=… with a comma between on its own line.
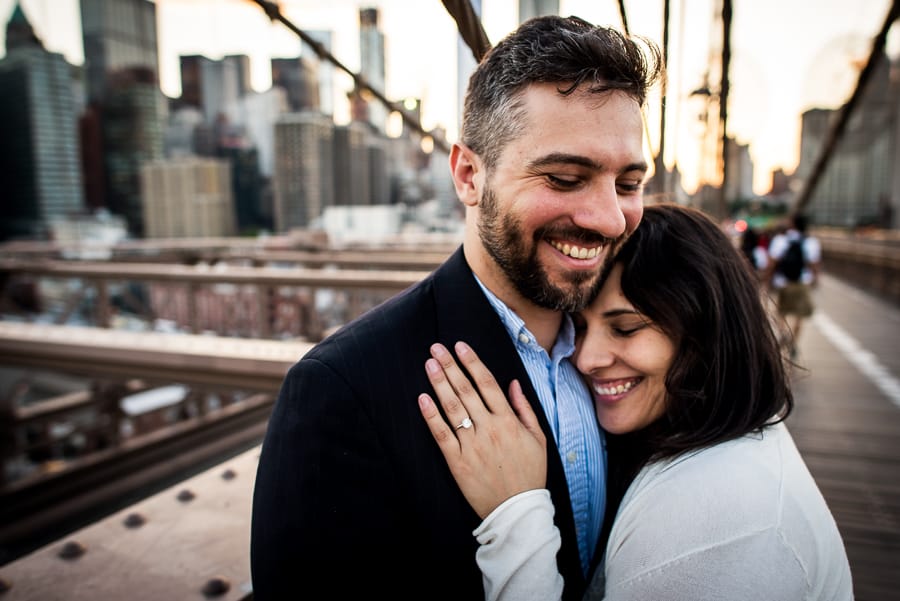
x=792, y=262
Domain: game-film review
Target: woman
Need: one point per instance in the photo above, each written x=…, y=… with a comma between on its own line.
x=690, y=386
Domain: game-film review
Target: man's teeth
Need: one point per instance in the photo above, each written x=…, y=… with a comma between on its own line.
x=576, y=252
x=609, y=390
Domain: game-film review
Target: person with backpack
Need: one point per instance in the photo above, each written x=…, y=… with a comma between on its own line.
x=794, y=262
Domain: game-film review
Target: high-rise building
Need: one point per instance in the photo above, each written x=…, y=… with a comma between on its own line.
x=304, y=171
x=126, y=105
x=740, y=171
x=39, y=155
x=132, y=135
x=857, y=186
x=212, y=85
x=537, y=8
x=257, y=113
x=247, y=188
x=118, y=34
x=187, y=198
x=371, y=54
x=379, y=176
x=298, y=78
x=324, y=69
x=352, y=181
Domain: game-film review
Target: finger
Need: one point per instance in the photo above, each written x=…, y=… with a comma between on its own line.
x=459, y=381
x=523, y=409
x=453, y=407
x=443, y=435
x=491, y=393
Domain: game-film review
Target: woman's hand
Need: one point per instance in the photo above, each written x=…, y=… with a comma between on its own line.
x=493, y=454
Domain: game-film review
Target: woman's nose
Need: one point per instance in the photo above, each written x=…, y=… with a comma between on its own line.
x=592, y=354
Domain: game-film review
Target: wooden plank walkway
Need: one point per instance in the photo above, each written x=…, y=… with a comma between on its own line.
x=847, y=427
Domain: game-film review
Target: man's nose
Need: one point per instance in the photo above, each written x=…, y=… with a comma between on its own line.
x=599, y=211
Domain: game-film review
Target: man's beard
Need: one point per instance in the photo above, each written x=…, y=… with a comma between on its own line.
x=502, y=238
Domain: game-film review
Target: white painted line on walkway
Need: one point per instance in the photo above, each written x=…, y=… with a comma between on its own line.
x=887, y=311
x=864, y=360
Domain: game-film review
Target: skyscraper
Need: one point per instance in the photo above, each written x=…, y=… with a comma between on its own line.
x=298, y=77
x=132, y=135
x=125, y=102
x=371, y=54
x=352, y=179
x=118, y=34
x=213, y=85
x=537, y=8
x=304, y=171
x=39, y=161
x=187, y=197
x=324, y=69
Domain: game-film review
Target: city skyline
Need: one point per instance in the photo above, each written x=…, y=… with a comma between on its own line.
x=767, y=97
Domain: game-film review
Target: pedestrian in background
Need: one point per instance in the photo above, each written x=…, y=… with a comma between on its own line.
x=755, y=252
x=794, y=264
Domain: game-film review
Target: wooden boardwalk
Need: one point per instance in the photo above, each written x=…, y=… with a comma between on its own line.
x=847, y=427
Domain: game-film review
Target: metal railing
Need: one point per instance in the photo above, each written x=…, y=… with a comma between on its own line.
x=227, y=300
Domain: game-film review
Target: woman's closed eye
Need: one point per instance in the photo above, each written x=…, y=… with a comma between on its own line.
x=626, y=332
x=628, y=326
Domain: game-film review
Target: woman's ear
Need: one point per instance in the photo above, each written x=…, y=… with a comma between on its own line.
x=465, y=166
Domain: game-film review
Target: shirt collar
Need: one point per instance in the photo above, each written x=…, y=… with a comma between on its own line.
x=564, y=345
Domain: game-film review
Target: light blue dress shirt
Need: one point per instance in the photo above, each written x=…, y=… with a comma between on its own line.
x=570, y=412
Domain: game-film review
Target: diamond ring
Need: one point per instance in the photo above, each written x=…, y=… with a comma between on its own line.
x=465, y=424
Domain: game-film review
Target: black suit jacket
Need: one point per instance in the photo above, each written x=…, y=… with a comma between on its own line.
x=353, y=499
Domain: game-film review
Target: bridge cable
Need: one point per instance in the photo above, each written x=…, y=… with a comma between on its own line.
x=624, y=17
x=469, y=26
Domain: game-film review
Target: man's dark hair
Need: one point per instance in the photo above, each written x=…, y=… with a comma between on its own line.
x=727, y=378
x=567, y=51
x=799, y=223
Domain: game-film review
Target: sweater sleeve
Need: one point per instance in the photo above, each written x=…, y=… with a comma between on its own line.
x=517, y=553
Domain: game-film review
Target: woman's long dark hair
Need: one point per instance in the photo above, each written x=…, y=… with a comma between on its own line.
x=728, y=376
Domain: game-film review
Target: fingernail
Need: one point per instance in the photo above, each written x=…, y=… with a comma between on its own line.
x=438, y=350
x=462, y=348
x=432, y=366
x=424, y=401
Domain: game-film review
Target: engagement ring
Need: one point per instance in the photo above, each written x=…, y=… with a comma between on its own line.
x=466, y=424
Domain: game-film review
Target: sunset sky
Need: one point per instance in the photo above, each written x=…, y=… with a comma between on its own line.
x=787, y=56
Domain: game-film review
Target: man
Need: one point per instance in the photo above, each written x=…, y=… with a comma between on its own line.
x=550, y=169
x=793, y=270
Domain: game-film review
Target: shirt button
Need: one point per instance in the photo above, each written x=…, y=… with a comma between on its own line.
x=571, y=456
x=524, y=339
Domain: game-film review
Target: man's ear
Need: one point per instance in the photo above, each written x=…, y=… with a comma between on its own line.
x=465, y=167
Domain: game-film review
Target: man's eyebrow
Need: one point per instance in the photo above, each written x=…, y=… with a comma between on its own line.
x=563, y=158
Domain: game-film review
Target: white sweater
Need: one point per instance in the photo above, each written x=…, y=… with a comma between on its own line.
x=742, y=521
